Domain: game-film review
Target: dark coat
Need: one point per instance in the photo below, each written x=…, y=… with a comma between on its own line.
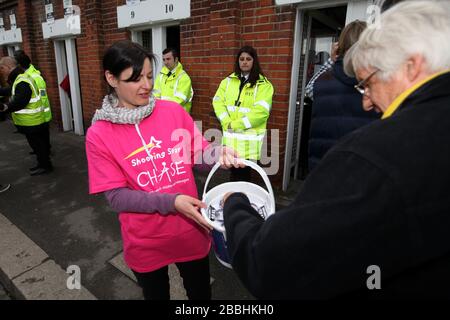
x=380, y=197
x=336, y=111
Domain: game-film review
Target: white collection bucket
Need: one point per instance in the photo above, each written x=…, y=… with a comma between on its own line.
x=262, y=200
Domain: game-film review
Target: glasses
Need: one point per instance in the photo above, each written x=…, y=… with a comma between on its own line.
x=361, y=86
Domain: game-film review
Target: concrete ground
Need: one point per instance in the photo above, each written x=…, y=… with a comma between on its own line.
x=72, y=227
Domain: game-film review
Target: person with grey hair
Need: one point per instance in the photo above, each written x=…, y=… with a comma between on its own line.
x=375, y=212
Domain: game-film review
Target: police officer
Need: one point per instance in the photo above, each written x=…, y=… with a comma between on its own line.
x=242, y=104
x=173, y=83
x=27, y=112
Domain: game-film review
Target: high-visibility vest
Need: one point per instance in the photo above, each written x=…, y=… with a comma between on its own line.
x=32, y=114
x=42, y=86
x=174, y=87
x=244, y=117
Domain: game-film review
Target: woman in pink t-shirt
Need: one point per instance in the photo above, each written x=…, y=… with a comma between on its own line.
x=140, y=153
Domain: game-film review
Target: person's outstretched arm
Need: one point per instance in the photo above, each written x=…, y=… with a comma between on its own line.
x=343, y=220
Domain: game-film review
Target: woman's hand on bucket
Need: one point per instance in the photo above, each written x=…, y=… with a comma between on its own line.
x=190, y=206
x=230, y=158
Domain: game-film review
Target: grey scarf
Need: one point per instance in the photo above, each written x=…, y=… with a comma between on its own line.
x=111, y=112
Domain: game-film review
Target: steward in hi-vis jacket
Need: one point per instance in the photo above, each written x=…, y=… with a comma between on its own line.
x=243, y=110
x=174, y=85
x=32, y=114
x=35, y=74
x=24, y=61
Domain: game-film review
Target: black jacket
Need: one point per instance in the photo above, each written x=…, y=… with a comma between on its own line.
x=336, y=111
x=380, y=197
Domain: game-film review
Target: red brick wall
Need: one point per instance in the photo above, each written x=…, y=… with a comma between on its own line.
x=26, y=25
x=89, y=47
x=99, y=31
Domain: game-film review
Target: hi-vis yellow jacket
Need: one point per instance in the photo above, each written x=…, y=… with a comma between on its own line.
x=174, y=87
x=243, y=119
x=42, y=86
x=33, y=113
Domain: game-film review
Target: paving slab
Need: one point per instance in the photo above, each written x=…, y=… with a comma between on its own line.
x=19, y=254
x=50, y=282
x=177, y=291
x=27, y=271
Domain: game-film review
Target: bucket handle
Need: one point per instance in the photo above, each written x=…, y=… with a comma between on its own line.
x=255, y=167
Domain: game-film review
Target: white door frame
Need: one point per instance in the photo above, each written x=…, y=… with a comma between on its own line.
x=302, y=99
x=10, y=51
x=61, y=70
x=12, y=48
x=75, y=94
x=71, y=109
x=159, y=43
x=298, y=31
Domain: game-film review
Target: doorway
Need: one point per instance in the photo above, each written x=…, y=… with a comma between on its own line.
x=324, y=27
x=145, y=38
x=315, y=31
x=173, y=37
x=156, y=39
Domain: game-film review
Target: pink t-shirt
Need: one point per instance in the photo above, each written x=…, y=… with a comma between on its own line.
x=155, y=156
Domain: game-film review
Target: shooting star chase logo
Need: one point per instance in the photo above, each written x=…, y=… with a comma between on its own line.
x=150, y=146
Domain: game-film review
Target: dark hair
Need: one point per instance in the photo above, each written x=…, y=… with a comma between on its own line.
x=123, y=55
x=174, y=52
x=22, y=59
x=256, y=69
x=349, y=36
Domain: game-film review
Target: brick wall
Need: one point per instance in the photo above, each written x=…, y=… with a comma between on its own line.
x=90, y=47
x=99, y=31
